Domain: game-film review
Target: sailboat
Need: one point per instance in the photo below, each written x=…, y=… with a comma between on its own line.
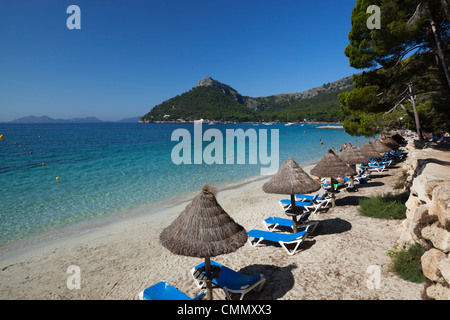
x=289, y=123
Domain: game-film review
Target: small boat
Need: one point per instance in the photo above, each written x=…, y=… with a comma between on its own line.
x=289, y=123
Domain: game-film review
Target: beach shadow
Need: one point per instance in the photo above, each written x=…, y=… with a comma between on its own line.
x=279, y=280
x=445, y=146
x=369, y=184
x=332, y=226
x=376, y=175
x=352, y=200
x=422, y=162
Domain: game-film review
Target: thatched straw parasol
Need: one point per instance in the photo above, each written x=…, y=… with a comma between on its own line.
x=331, y=166
x=380, y=146
x=368, y=150
x=352, y=156
x=204, y=230
x=398, y=138
x=391, y=143
x=291, y=179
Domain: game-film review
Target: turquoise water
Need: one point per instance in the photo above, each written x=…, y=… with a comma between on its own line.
x=110, y=169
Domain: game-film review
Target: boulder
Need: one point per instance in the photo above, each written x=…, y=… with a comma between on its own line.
x=415, y=213
x=438, y=292
x=440, y=205
x=429, y=264
x=438, y=236
x=443, y=265
x=430, y=175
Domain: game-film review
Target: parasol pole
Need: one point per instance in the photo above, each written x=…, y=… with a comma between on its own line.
x=352, y=182
x=332, y=193
x=208, y=278
x=294, y=217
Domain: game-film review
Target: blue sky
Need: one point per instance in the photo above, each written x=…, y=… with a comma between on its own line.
x=130, y=55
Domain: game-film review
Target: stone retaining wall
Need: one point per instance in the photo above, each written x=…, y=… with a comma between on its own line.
x=428, y=215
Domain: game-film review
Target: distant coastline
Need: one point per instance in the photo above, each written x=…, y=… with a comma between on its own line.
x=47, y=119
x=330, y=127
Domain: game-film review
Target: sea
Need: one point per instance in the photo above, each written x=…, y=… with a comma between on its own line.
x=54, y=177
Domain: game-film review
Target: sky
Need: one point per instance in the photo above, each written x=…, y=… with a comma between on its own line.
x=130, y=55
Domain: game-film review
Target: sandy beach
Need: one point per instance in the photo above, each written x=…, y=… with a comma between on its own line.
x=121, y=259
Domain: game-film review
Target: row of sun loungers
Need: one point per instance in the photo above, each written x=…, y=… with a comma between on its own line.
x=230, y=281
x=366, y=170
x=310, y=204
x=233, y=282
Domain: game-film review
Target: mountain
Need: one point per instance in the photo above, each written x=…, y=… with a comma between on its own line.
x=130, y=120
x=46, y=119
x=210, y=99
x=213, y=100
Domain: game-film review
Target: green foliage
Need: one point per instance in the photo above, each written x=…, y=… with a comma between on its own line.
x=202, y=103
x=223, y=103
x=384, y=207
x=381, y=100
x=406, y=262
x=322, y=107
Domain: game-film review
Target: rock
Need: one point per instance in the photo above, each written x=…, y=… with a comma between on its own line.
x=443, y=265
x=430, y=175
x=438, y=236
x=441, y=203
x=415, y=213
x=429, y=264
x=405, y=238
x=229, y=91
x=409, y=226
x=438, y=292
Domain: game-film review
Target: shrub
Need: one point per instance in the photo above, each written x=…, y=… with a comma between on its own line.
x=406, y=262
x=401, y=181
x=384, y=207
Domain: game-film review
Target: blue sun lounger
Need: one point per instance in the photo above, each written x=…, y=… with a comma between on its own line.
x=306, y=198
x=377, y=168
x=232, y=281
x=165, y=291
x=273, y=222
x=286, y=203
x=309, y=206
x=282, y=238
